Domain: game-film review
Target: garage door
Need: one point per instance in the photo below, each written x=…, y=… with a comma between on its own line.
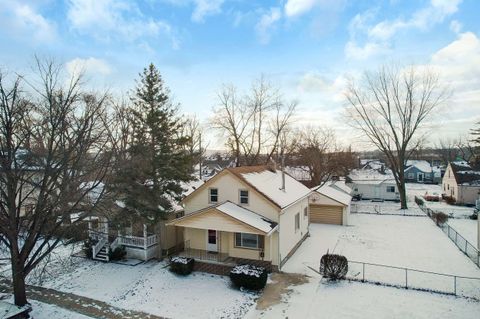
x=326, y=214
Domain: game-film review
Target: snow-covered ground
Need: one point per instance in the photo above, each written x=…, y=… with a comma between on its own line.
x=468, y=228
x=385, y=208
x=152, y=288
x=453, y=211
x=46, y=311
x=356, y=300
x=418, y=189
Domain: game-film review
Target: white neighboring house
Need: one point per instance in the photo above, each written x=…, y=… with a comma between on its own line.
x=329, y=204
x=462, y=182
x=371, y=184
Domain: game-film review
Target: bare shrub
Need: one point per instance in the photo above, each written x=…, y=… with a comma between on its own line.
x=440, y=218
x=333, y=266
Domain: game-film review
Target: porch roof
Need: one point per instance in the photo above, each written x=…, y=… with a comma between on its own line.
x=227, y=216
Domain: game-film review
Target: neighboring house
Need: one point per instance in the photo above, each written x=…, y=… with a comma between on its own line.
x=253, y=214
x=371, y=184
x=141, y=239
x=420, y=171
x=329, y=204
x=461, y=182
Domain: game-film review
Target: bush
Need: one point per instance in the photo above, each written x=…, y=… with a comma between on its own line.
x=181, y=265
x=440, y=218
x=249, y=277
x=88, y=247
x=333, y=266
x=118, y=253
x=474, y=216
x=449, y=200
x=419, y=201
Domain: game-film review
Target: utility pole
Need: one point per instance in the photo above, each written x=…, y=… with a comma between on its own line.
x=200, y=153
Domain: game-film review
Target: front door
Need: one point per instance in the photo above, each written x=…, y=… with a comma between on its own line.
x=212, y=240
x=420, y=177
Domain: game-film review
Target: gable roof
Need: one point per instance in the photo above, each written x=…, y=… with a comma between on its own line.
x=421, y=165
x=236, y=212
x=465, y=174
x=268, y=182
x=334, y=194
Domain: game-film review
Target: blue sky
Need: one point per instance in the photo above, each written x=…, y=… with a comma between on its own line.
x=305, y=47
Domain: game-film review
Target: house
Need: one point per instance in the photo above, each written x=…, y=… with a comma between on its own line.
x=420, y=171
x=461, y=182
x=372, y=184
x=254, y=214
x=330, y=204
x=141, y=239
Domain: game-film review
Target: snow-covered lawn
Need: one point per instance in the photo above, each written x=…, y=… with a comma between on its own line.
x=385, y=208
x=467, y=228
x=418, y=189
x=152, y=288
x=356, y=300
x=46, y=311
x=453, y=211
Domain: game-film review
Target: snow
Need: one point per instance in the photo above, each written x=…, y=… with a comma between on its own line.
x=152, y=288
x=180, y=260
x=347, y=300
x=249, y=270
x=342, y=186
x=247, y=216
x=334, y=194
x=269, y=183
x=47, y=311
x=468, y=228
x=385, y=208
x=453, y=211
x=371, y=176
x=422, y=165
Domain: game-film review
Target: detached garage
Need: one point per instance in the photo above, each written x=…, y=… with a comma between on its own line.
x=329, y=205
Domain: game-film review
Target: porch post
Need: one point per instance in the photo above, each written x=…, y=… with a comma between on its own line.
x=145, y=240
x=89, y=228
x=105, y=229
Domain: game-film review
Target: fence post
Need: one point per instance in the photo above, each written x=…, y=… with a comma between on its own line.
x=455, y=285
x=363, y=272
x=406, y=278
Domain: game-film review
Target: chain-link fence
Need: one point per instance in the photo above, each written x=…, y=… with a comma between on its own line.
x=410, y=278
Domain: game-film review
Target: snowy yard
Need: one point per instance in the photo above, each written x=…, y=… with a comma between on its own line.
x=418, y=189
x=467, y=228
x=386, y=208
x=453, y=211
x=152, y=288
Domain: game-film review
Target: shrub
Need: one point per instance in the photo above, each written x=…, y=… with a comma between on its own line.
x=88, y=247
x=449, y=200
x=440, y=218
x=249, y=277
x=118, y=253
x=333, y=266
x=419, y=201
x=474, y=216
x=181, y=265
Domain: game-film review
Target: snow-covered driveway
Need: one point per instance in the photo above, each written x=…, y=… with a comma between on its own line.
x=413, y=242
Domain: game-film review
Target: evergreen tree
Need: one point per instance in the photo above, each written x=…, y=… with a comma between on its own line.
x=157, y=160
x=476, y=148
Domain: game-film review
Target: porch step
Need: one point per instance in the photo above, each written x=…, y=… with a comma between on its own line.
x=102, y=255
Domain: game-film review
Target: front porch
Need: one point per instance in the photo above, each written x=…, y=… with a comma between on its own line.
x=105, y=241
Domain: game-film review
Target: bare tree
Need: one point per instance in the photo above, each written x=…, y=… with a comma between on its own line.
x=196, y=146
x=446, y=149
x=252, y=124
x=389, y=107
x=51, y=165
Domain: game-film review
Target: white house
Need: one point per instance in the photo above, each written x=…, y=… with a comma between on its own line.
x=371, y=184
x=252, y=214
x=329, y=204
x=461, y=182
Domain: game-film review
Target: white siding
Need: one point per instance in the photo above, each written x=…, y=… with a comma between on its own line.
x=288, y=236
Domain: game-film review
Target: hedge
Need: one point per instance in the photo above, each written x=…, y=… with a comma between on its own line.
x=181, y=265
x=249, y=276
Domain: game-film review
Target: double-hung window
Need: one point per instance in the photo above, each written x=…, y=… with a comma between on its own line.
x=213, y=195
x=390, y=189
x=305, y=212
x=244, y=240
x=243, y=196
x=297, y=222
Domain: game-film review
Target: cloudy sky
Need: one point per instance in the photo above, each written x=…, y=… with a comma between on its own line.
x=305, y=47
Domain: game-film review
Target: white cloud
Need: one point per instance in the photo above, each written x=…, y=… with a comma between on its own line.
x=267, y=23
x=89, y=66
x=23, y=18
x=378, y=35
x=205, y=8
x=119, y=19
x=456, y=26
x=298, y=7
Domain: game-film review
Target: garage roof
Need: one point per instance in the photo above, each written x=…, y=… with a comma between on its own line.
x=334, y=194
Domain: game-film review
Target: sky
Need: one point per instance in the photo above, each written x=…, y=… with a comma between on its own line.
x=306, y=48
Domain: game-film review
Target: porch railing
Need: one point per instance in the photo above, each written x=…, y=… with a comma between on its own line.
x=136, y=241
x=201, y=254
x=98, y=246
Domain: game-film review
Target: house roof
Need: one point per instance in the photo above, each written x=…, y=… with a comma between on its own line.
x=268, y=182
x=238, y=213
x=421, y=165
x=335, y=194
x=341, y=186
x=465, y=174
x=370, y=176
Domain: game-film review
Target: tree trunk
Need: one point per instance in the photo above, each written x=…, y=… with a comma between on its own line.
x=18, y=278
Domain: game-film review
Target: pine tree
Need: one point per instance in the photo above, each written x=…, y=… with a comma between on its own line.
x=158, y=161
x=476, y=149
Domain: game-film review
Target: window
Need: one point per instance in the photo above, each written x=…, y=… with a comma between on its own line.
x=297, y=222
x=444, y=187
x=244, y=197
x=390, y=189
x=305, y=212
x=448, y=186
x=245, y=240
x=213, y=195
x=355, y=189
x=410, y=175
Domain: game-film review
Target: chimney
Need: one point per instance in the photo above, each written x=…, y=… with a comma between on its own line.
x=283, y=173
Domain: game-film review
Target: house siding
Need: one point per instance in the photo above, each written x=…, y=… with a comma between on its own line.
x=228, y=189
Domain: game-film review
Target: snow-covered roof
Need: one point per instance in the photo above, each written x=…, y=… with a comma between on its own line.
x=465, y=174
x=335, y=194
x=341, y=186
x=247, y=216
x=269, y=183
x=421, y=165
x=370, y=175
